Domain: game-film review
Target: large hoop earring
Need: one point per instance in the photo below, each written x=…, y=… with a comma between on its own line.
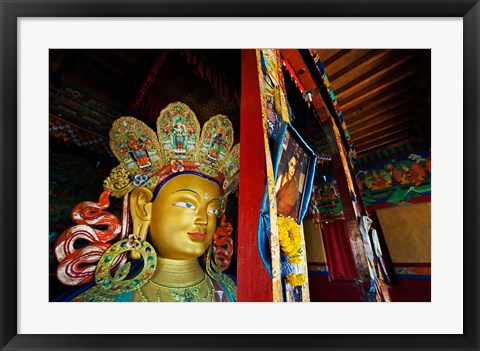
x=117, y=283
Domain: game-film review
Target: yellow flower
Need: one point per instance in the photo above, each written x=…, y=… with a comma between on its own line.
x=296, y=279
x=289, y=235
x=295, y=259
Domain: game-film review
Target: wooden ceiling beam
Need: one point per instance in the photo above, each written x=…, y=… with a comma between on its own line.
x=400, y=102
x=386, y=99
x=398, y=114
x=377, y=92
x=385, y=61
x=336, y=56
x=382, y=140
x=377, y=77
x=397, y=126
x=398, y=84
x=387, y=146
x=359, y=57
x=377, y=82
x=325, y=54
x=344, y=63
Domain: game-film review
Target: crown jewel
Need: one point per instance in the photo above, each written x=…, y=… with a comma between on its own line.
x=179, y=146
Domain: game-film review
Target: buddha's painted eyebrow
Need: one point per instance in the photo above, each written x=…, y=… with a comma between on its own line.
x=190, y=190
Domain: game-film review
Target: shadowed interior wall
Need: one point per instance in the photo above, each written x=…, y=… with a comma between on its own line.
x=313, y=242
x=407, y=231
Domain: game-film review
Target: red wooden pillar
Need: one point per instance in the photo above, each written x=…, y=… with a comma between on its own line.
x=253, y=281
x=340, y=171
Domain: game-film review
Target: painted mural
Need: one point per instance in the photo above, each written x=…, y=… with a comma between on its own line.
x=325, y=201
x=396, y=181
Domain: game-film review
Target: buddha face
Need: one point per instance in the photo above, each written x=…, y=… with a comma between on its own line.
x=184, y=217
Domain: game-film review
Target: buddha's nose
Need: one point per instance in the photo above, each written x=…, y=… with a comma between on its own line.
x=201, y=218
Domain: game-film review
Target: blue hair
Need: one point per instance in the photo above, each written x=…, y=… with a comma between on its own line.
x=159, y=186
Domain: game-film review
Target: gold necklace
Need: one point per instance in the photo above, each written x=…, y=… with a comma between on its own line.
x=200, y=292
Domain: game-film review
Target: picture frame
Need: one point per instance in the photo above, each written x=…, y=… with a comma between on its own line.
x=469, y=10
x=290, y=147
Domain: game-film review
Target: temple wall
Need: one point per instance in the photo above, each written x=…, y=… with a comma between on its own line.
x=313, y=242
x=407, y=231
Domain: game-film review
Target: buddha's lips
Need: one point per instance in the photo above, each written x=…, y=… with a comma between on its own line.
x=197, y=235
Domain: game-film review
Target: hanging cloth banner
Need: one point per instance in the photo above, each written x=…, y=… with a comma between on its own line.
x=378, y=252
x=346, y=168
x=378, y=286
x=339, y=114
x=340, y=263
x=289, y=144
x=275, y=268
x=276, y=118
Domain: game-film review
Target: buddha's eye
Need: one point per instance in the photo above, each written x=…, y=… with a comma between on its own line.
x=213, y=211
x=184, y=204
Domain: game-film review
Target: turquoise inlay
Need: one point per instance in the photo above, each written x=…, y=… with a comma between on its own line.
x=125, y=297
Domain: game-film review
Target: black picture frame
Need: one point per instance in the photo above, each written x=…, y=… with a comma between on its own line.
x=12, y=10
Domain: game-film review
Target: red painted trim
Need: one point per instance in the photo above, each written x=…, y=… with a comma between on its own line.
x=253, y=281
x=294, y=59
x=420, y=199
x=294, y=75
x=416, y=264
x=413, y=200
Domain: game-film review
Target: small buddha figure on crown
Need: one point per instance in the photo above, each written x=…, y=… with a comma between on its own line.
x=173, y=204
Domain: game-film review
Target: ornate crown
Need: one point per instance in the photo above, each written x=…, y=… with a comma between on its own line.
x=179, y=146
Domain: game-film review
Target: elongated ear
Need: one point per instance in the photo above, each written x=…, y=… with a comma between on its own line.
x=141, y=212
x=140, y=205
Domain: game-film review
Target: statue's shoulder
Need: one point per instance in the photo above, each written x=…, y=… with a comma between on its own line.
x=97, y=294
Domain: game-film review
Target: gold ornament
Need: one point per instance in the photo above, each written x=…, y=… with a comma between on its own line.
x=117, y=283
x=179, y=146
x=95, y=294
x=118, y=181
x=200, y=292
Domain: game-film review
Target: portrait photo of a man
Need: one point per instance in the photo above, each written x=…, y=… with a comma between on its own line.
x=290, y=182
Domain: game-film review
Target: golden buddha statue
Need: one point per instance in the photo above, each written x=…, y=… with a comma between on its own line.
x=179, y=188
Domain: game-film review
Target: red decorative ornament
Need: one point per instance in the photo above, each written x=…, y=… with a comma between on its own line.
x=94, y=225
x=223, y=243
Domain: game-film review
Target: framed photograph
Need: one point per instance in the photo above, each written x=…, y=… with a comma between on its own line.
x=24, y=180
x=294, y=164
